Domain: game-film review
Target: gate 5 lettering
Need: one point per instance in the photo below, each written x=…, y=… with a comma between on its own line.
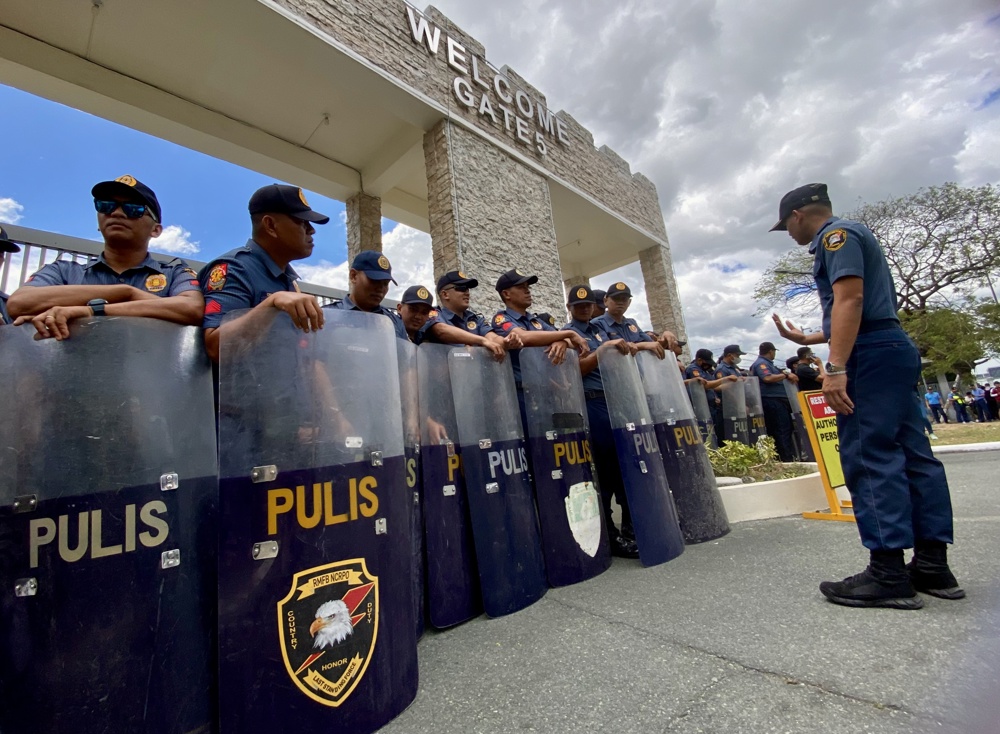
x=88, y=534
x=572, y=452
x=319, y=505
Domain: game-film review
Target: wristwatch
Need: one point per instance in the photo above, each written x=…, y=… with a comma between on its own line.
x=97, y=305
x=835, y=369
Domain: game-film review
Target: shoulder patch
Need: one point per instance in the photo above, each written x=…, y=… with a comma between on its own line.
x=156, y=282
x=499, y=319
x=633, y=328
x=535, y=323
x=834, y=239
x=217, y=277
x=432, y=314
x=471, y=325
x=213, y=306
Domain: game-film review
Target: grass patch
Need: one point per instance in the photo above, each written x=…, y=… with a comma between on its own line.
x=950, y=434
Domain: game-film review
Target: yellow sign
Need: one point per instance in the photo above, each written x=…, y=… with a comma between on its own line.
x=821, y=425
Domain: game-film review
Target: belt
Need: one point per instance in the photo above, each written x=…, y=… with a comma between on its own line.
x=593, y=394
x=878, y=325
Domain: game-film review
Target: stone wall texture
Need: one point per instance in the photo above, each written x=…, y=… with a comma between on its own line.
x=379, y=30
x=364, y=224
x=489, y=213
x=661, y=291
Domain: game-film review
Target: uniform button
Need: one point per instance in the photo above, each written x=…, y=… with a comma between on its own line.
x=121, y=280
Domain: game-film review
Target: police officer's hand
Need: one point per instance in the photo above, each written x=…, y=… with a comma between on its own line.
x=513, y=341
x=668, y=339
x=436, y=432
x=835, y=392
x=789, y=330
x=579, y=343
x=495, y=348
x=793, y=378
x=54, y=323
x=657, y=349
x=556, y=351
x=302, y=307
x=620, y=344
x=731, y=378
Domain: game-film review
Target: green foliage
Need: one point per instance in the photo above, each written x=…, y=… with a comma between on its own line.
x=736, y=459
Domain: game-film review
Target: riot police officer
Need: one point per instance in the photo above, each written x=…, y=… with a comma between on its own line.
x=258, y=275
x=453, y=322
x=726, y=368
x=415, y=308
x=899, y=490
x=369, y=278
x=580, y=303
x=599, y=308
x=702, y=368
x=777, y=410
x=5, y=246
x=617, y=326
x=125, y=280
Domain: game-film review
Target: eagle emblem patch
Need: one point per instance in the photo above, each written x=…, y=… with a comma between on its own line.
x=834, y=240
x=156, y=283
x=217, y=277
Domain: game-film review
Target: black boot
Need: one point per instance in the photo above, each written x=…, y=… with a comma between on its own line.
x=929, y=570
x=884, y=583
x=621, y=546
x=628, y=532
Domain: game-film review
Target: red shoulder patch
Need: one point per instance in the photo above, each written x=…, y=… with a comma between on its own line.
x=213, y=306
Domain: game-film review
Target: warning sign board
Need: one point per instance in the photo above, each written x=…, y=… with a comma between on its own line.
x=821, y=425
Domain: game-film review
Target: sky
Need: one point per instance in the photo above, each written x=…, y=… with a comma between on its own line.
x=725, y=105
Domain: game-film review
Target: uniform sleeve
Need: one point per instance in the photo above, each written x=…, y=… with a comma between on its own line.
x=482, y=326
x=182, y=279
x=843, y=254
x=761, y=370
x=51, y=274
x=638, y=335
x=691, y=372
x=226, y=288
x=502, y=324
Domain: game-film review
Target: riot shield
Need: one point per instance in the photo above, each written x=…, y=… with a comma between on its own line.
x=406, y=355
x=734, y=411
x=654, y=515
x=316, y=605
x=452, y=578
x=755, y=409
x=498, y=482
x=689, y=472
x=574, y=536
x=800, y=434
x=108, y=495
x=702, y=413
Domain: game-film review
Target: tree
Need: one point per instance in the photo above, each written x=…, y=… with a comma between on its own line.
x=942, y=245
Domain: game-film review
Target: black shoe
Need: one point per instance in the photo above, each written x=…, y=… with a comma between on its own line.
x=628, y=532
x=929, y=571
x=624, y=548
x=884, y=583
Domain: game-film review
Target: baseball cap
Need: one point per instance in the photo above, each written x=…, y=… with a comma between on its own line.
x=456, y=277
x=732, y=349
x=284, y=199
x=619, y=289
x=766, y=347
x=814, y=193
x=131, y=187
x=705, y=354
x=373, y=264
x=547, y=318
x=599, y=296
x=514, y=277
x=681, y=343
x=791, y=362
x=5, y=244
x=580, y=294
x=417, y=294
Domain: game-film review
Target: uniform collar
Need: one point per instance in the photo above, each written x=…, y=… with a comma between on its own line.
x=271, y=265
x=515, y=316
x=150, y=263
x=352, y=306
x=815, y=241
x=584, y=326
x=446, y=313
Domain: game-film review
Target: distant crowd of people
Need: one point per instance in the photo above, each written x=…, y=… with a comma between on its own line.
x=980, y=403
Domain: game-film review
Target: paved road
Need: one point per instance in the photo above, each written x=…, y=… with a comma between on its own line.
x=734, y=636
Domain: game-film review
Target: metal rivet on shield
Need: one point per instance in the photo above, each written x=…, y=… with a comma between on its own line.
x=25, y=503
x=557, y=473
x=642, y=467
x=630, y=426
x=267, y=549
x=551, y=435
x=416, y=498
x=169, y=481
x=485, y=443
x=381, y=527
x=263, y=473
x=170, y=558
x=492, y=488
x=376, y=458
x=449, y=490
x=354, y=442
x=449, y=447
x=25, y=587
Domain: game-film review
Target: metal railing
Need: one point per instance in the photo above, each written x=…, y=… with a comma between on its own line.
x=39, y=247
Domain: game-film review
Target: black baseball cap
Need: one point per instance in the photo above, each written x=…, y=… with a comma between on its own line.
x=732, y=349
x=5, y=244
x=682, y=343
x=373, y=264
x=547, y=318
x=599, y=296
x=766, y=347
x=619, y=289
x=284, y=199
x=417, y=294
x=580, y=294
x=705, y=354
x=814, y=193
x=456, y=277
x=791, y=362
x=132, y=188
x=514, y=277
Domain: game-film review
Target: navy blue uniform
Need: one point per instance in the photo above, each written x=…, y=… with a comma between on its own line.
x=150, y=275
x=609, y=473
x=4, y=316
x=777, y=410
x=469, y=321
x=242, y=278
x=507, y=320
x=714, y=401
x=397, y=321
x=628, y=329
x=722, y=369
x=899, y=490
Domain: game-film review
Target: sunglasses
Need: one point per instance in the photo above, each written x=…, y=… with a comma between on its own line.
x=132, y=211
x=459, y=288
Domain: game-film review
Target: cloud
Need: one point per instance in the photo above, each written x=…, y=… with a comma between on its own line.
x=175, y=240
x=10, y=211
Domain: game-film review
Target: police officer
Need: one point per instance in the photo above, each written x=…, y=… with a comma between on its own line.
x=899, y=490
x=369, y=276
x=777, y=410
x=453, y=322
x=5, y=246
x=617, y=326
x=702, y=368
x=598, y=309
x=123, y=281
x=580, y=305
x=258, y=275
x=415, y=308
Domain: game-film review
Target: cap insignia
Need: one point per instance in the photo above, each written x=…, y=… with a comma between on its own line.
x=422, y=293
x=581, y=292
x=127, y=180
x=383, y=262
x=620, y=286
x=302, y=197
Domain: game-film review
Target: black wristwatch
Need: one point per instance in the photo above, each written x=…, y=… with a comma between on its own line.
x=97, y=305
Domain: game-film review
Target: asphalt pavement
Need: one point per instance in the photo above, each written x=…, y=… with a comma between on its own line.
x=734, y=636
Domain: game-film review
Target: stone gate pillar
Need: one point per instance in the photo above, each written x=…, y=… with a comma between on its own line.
x=364, y=224
x=661, y=291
